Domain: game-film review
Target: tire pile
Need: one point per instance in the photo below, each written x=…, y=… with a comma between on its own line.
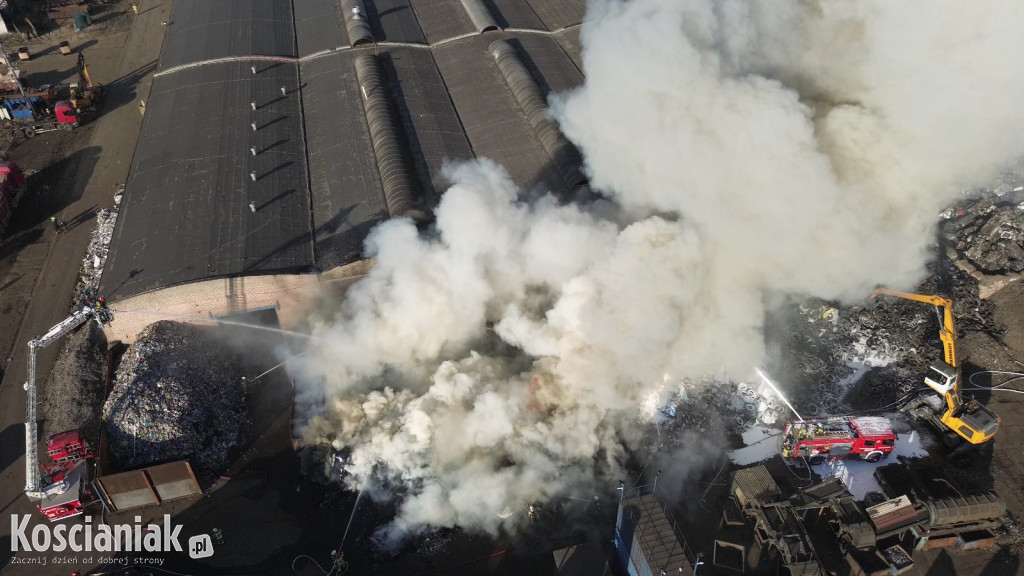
x=177, y=394
x=838, y=360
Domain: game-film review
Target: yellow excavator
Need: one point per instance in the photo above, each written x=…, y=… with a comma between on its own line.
x=85, y=94
x=968, y=419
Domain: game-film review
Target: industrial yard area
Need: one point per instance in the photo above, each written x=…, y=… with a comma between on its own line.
x=510, y=287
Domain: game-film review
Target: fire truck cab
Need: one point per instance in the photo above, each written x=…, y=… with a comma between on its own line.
x=868, y=438
x=67, y=447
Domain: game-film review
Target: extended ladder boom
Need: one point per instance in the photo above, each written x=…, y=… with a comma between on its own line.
x=32, y=483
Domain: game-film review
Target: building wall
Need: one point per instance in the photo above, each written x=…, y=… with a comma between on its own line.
x=295, y=296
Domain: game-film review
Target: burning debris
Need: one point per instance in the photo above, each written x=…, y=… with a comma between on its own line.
x=177, y=394
x=839, y=358
x=753, y=182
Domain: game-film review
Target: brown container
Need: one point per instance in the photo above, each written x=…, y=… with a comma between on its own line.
x=940, y=542
x=976, y=540
x=23, y=53
x=65, y=48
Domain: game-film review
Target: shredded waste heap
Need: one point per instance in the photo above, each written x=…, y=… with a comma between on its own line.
x=176, y=395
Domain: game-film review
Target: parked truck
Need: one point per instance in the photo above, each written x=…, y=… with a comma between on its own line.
x=12, y=188
x=31, y=115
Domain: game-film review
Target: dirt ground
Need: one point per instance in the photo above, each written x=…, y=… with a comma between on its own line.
x=72, y=176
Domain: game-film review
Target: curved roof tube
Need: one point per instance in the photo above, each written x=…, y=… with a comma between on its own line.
x=963, y=510
x=480, y=15
x=400, y=190
x=358, y=27
x=526, y=90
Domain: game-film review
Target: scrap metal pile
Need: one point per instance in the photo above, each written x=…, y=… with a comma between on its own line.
x=988, y=231
x=99, y=245
x=178, y=394
x=837, y=359
x=78, y=373
x=840, y=359
x=834, y=359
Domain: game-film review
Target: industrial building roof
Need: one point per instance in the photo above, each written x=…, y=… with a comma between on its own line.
x=654, y=536
x=278, y=132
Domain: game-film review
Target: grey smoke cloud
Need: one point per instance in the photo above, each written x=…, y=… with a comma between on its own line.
x=751, y=148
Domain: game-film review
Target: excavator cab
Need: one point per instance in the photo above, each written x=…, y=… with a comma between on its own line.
x=941, y=377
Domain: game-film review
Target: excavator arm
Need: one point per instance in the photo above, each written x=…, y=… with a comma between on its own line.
x=944, y=312
x=969, y=420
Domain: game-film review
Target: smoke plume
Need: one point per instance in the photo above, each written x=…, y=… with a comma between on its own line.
x=750, y=148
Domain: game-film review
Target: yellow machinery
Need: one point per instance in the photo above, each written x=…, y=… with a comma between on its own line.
x=969, y=420
x=85, y=94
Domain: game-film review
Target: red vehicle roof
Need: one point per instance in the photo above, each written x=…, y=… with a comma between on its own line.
x=873, y=426
x=70, y=437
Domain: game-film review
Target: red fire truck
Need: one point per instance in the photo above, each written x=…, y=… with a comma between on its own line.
x=868, y=438
x=60, y=490
x=63, y=479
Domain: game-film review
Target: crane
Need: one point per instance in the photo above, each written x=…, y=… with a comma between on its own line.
x=57, y=499
x=968, y=419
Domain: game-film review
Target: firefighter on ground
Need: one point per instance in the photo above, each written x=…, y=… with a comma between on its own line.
x=338, y=558
x=218, y=536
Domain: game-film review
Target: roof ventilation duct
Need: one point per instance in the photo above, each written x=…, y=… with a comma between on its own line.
x=526, y=90
x=400, y=191
x=480, y=15
x=356, y=23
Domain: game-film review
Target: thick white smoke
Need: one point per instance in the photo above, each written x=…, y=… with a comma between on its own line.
x=753, y=148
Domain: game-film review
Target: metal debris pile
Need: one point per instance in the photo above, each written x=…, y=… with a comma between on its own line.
x=178, y=393
x=841, y=359
x=988, y=230
x=694, y=405
x=78, y=374
x=99, y=245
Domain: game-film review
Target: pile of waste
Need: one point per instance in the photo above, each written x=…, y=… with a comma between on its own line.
x=178, y=394
x=99, y=245
x=988, y=230
x=841, y=359
x=77, y=373
x=836, y=359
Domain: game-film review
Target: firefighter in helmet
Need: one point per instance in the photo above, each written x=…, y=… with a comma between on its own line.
x=338, y=559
